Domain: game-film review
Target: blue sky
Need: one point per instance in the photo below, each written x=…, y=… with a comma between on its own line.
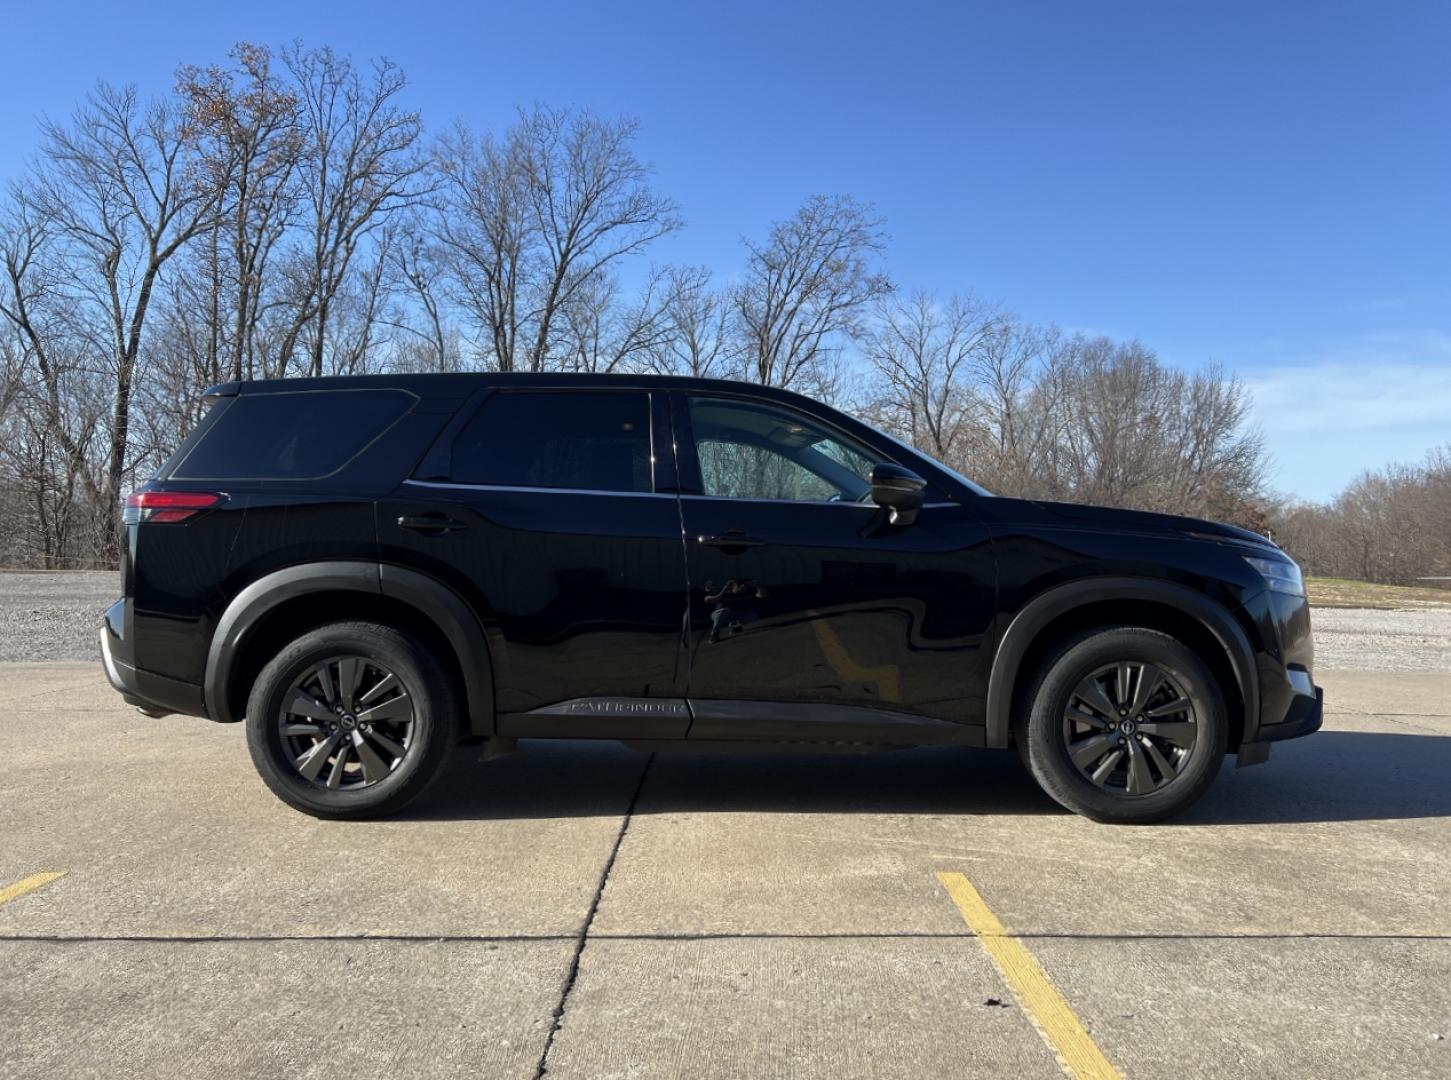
x=1262, y=185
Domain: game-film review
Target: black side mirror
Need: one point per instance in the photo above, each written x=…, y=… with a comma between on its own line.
x=899, y=490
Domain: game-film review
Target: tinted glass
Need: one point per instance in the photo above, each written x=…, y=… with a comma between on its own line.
x=294, y=435
x=564, y=439
x=751, y=451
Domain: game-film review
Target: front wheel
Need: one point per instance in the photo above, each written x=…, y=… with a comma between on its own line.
x=1127, y=725
x=351, y=720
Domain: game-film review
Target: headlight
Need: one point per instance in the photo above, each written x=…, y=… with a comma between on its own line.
x=1280, y=575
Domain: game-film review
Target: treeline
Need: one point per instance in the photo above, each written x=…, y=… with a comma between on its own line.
x=1391, y=525
x=288, y=214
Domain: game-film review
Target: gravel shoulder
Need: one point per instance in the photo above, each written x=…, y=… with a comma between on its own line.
x=54, y=616
x=1364, y=639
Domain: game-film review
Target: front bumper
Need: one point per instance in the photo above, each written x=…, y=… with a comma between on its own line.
x=1304, y=717
x=1290, y=704
x=153, y=694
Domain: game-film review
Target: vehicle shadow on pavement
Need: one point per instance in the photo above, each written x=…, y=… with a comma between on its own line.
x=1335, y=776
x=1332, y=776
x=580, y=778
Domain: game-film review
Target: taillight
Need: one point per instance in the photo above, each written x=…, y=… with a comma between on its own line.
x=168, y=507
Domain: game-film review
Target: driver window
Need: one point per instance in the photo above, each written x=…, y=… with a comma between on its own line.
x=754, y=451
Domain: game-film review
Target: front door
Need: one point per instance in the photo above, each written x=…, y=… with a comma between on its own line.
x=803, y=594
x=543, y=512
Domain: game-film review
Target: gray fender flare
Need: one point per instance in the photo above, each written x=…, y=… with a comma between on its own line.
x=1061, y=599
x=430, y=597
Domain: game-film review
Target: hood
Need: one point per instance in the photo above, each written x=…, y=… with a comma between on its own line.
x=1080, y=516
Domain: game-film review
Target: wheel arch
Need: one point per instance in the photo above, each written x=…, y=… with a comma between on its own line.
x=1176, y=609
x=279, y=606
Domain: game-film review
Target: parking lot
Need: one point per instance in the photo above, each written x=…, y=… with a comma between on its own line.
x=580, y=910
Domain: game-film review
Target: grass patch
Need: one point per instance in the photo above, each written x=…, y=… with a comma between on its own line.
x=1340, y=592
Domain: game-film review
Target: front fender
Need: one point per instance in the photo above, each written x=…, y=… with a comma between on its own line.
x=1044, y=608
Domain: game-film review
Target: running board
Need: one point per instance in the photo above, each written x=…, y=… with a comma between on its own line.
x=790, y=721
x=723, y=721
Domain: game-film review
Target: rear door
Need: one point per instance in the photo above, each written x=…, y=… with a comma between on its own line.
x=552, y=511
x=804, y=594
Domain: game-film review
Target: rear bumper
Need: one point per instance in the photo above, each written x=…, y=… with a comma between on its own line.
x=122, y=677
x=153, y=694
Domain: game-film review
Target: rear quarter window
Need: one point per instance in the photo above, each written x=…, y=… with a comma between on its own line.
x=291, y=435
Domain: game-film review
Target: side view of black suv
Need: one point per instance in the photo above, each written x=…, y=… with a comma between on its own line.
x=370, y=570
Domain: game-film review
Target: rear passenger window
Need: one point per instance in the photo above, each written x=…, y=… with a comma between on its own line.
x=558, y=439
x=291, y=435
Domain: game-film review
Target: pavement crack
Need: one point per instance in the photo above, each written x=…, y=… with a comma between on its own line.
x=583, y=937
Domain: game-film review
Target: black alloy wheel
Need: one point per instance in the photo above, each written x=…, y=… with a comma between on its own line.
x=351, y=720
x=1125, y=725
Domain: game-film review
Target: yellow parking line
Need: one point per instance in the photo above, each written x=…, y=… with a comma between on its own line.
x=28, y=884
x=1051, y=1015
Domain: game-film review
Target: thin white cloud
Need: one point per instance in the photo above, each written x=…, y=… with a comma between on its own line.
x=1339, y=397
x=1377, y=399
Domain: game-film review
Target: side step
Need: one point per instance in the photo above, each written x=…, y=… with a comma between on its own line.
x=659, y=721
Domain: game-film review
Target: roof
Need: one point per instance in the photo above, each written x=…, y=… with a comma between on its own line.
x=463, y=383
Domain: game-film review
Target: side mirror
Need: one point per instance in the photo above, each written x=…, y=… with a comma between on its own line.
x=899, y=490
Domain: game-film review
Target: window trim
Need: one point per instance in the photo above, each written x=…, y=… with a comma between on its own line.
x=438, y=460
x=459, y=485
x=414, y=399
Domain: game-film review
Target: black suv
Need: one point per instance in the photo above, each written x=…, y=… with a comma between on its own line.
x=369, y=570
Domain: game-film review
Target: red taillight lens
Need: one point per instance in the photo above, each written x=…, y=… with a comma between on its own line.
x=167, y=507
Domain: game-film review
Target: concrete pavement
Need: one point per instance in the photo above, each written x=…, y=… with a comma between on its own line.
x=747, y=915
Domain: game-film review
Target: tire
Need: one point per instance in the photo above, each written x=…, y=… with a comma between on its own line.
x=369, y=751
x=1145, y=771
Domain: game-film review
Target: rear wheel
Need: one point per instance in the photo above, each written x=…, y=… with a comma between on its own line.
x=351, y=720
x=1126, y=725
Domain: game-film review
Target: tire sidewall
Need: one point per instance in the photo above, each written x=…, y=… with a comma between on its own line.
x=420, y=678
x=1047, y=750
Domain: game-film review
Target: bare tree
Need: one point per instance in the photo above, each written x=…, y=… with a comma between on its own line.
x=605, y=334
x=120, y=195
x=538, y=219
x=358, y=166
x=420, y=273
x=47, y=482
x=1030, y=413
x=697, y=334
x=1129, y=431
x=1220, y=458
x=244, y=123
x=591, y=201
x=485, y=233
x=806, y=288
x=1388, y=525
x=358, y=328
x=1023, y=376
x=35, y=303
x=925, y=354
